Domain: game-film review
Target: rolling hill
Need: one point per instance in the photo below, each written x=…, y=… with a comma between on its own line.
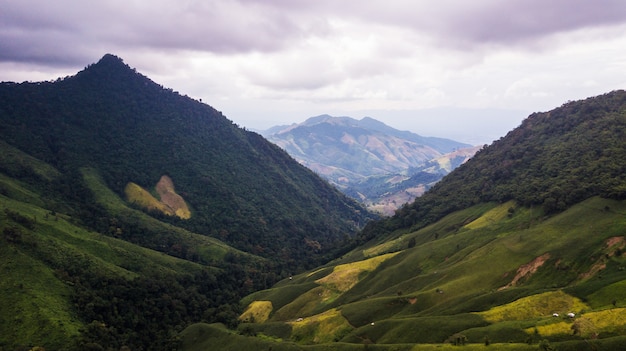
x=520, y=248
x=368, y=160
x=129, y=211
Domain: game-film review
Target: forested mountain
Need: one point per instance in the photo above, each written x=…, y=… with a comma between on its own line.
x=519, y=248
x=241, y=189
x=376, y=164
x=129, y=211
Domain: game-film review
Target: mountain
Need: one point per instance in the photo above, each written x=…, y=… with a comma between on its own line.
x=240, y=188
x=386, y=193
x=521, y=248
x=122, y=198
x=355, y=154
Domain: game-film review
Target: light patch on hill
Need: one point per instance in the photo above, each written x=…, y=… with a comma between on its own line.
x=588, y=325
x=540, y=305
x=526, y=270
x=165, y=189
x=492, y=216
x=345, y=276
x=170, y=203
x=321, y=328
x=391, y=245
x=257, y=312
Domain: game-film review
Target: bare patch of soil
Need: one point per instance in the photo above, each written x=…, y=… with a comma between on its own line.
x=169, y=197
x=526, y=270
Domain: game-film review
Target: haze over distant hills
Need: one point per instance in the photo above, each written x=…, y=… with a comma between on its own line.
x=370, y=161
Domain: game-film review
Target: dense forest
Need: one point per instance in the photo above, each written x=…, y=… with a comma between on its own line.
x=552, y=160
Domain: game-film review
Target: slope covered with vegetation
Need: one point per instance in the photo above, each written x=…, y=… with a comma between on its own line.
x=520, y=248
x=552, y=160
x=128, y=212
x=239, y=187
x=67, y=287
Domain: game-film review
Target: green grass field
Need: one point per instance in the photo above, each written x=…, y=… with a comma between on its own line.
x=495, y=272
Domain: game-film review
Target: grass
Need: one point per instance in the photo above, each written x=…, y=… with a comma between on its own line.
x=322, y=328
x=35, y=308
x=492, y=216
x=14, y=189
x=429, y=330
x=457, y=279
x=606, y=296
x=257, y=311
x=345, y=276
x=200, y=337
x=170, y=203
x=588, y=325
x=535, y=306
x=137, y=195
x=17, y=161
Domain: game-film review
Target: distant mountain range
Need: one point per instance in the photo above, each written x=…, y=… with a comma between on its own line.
x=369, y=160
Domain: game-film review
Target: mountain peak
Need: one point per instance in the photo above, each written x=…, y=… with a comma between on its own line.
x=111, y=59
x=112, y=70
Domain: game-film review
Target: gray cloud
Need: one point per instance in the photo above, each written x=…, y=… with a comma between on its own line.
x=67, y=31
x=510, y=22
x=70, y=31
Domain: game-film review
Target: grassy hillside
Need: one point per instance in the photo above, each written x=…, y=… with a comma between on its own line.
x=490, y=272
x=66, y=286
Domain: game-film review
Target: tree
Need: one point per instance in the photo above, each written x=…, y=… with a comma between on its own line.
x=411, y=242
x=544, y=345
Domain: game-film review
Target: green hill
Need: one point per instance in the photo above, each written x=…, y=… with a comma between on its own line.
x=128, y=212
x=499, y=252
x=240, y=188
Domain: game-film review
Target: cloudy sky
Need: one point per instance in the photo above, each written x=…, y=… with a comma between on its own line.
x=468, y=70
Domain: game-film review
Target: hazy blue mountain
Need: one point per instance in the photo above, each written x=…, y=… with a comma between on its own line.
x=367, y=159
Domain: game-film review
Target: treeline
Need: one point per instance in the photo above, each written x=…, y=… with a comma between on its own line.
x=553, y=160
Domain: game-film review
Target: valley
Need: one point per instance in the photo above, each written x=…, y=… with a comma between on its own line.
x=369, y=161
x=135, y=218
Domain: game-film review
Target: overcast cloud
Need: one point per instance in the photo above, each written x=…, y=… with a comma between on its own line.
x=469, y=70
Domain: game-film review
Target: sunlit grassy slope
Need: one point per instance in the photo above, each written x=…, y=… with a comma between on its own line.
x=169, y=202
x=495, y=272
